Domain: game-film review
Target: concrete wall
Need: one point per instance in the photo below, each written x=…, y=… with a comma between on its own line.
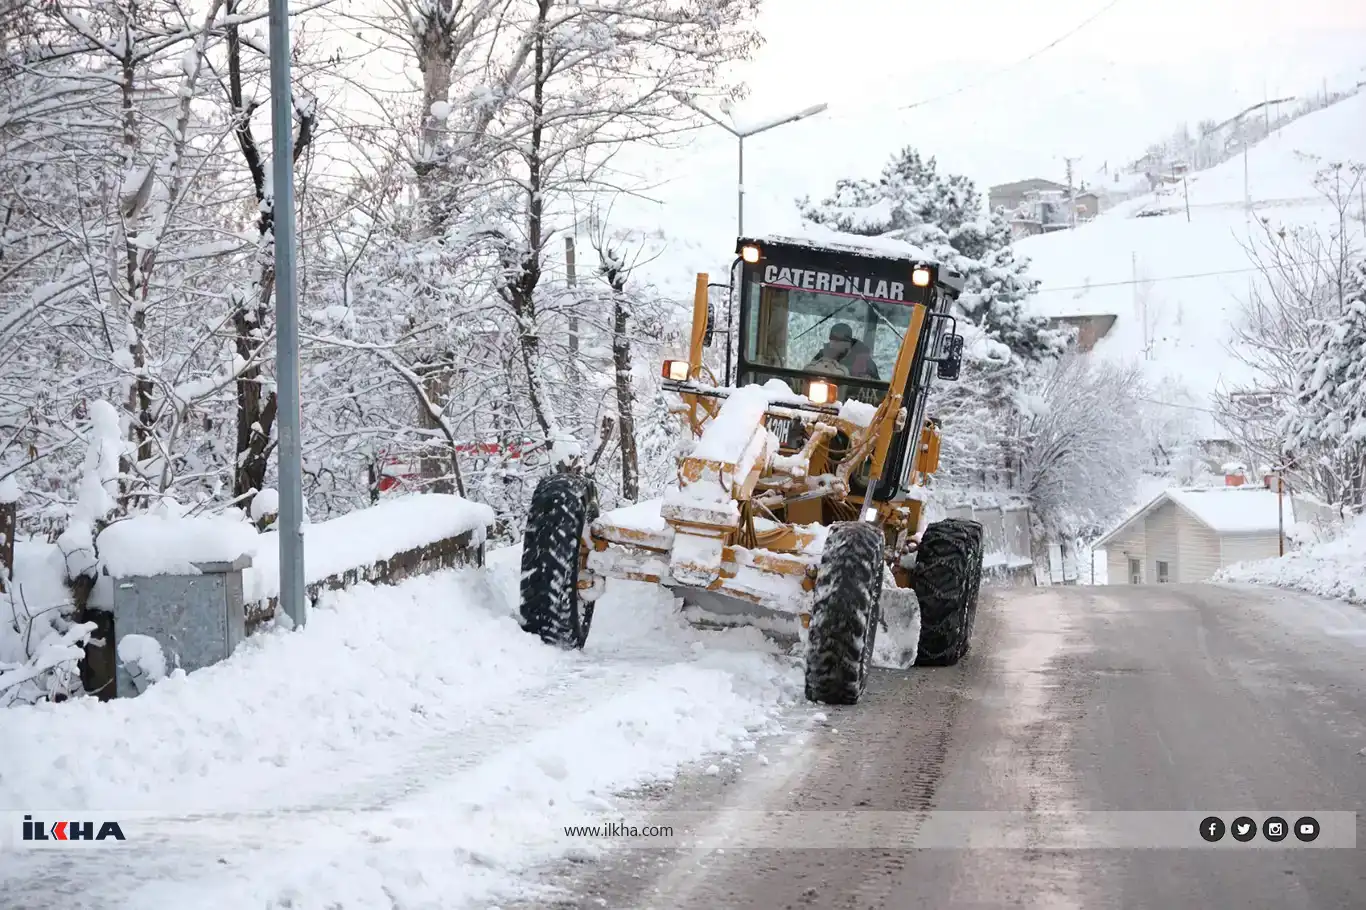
x=1006, y=552
x=1325, y=521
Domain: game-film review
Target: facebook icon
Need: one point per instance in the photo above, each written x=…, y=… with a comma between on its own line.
x=1212, y=829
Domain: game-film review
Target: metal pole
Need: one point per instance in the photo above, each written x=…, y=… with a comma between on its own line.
x=286, y=319
x=1280, y=509
x=740, y=189
x=570, y=278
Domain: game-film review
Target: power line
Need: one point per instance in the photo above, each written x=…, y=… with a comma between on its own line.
x=837, y=114
x=1018, y=63
x=1187, y=407
x=1117, y=284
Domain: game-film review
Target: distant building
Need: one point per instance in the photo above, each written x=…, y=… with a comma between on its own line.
x=1042, y=212
x=1011, y=196
x=1088, y=205
x=1187, y=535
x=1090, y=329
x=1038, y=206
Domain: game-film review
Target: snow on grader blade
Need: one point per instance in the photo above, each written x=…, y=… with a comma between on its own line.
x=800, y=505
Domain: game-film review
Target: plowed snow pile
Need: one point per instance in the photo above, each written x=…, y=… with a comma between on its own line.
x=412, y=747
x=1333, y=568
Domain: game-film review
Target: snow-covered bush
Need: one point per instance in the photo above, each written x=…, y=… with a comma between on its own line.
x=1330, y=391
x=40, y=645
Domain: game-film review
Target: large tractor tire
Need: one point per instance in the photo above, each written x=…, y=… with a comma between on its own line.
x=946, y=578
x=845, y=613
x=562, y=507
x=975, y=586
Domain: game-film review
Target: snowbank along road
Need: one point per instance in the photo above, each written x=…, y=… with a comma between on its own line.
x=1084, y=718
x=411, y=748
x=414, y=749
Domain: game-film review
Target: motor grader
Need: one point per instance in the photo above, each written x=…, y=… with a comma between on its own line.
x=802, y=497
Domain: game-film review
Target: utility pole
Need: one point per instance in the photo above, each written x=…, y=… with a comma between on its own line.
x=742, y=135
x=1141, y=306
x=570, y=279
x=286, y=319
x=1071, y=193
x=1240, y=119
x=1280, y=509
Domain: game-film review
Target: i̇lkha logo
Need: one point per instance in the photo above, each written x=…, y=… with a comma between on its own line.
x=35, y=830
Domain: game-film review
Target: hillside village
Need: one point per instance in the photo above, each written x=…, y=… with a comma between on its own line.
x=1038, y=205
x=1184, y=231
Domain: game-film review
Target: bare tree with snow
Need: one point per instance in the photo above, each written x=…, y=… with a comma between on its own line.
x=1081, y=442
x=1305, y=285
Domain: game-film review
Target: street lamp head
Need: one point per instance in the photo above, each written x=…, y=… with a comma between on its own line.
x=782, y=121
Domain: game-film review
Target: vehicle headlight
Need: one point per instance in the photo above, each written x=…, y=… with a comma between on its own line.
x=820, y=391
x=677, y=370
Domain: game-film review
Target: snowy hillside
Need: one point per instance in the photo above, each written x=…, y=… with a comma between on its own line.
x=1175, y=285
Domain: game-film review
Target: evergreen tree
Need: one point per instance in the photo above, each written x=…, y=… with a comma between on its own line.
x=1331, y=392
x=942, y=214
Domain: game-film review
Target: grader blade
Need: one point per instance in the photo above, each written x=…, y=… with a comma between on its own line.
x=713, y=611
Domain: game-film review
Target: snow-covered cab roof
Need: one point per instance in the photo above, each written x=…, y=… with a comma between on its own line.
x=882, y=249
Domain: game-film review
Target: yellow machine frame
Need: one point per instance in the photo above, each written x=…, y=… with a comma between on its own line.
x=725, y=544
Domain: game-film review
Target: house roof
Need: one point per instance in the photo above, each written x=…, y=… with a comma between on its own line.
x=1033, y=183
x=1227, y=511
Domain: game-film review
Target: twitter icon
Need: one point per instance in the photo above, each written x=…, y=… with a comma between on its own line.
x=1243, y=829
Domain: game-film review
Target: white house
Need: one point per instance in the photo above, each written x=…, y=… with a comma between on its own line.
x=1188, y=535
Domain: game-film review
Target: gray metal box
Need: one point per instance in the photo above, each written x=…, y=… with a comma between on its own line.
x=197, y=619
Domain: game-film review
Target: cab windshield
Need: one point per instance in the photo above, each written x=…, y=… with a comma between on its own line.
x=820, y=332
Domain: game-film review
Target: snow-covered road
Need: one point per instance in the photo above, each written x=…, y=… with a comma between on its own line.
x=412, y=748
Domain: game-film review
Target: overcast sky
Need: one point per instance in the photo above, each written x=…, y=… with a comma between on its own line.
x=1141, y=66
x=1123, y=81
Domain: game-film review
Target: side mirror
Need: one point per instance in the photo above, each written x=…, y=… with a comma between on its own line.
x=951, y=364
x=711, y=326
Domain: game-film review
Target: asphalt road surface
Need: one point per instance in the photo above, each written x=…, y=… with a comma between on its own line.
x=1199, y=698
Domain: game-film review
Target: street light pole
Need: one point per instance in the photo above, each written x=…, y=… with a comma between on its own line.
x=290, y=520
x=742, y=135
x=740, y=191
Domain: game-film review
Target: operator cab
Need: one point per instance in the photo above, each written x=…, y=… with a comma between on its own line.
x=829, y=319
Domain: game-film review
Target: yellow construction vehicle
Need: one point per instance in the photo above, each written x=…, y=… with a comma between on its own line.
x=802, y=497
